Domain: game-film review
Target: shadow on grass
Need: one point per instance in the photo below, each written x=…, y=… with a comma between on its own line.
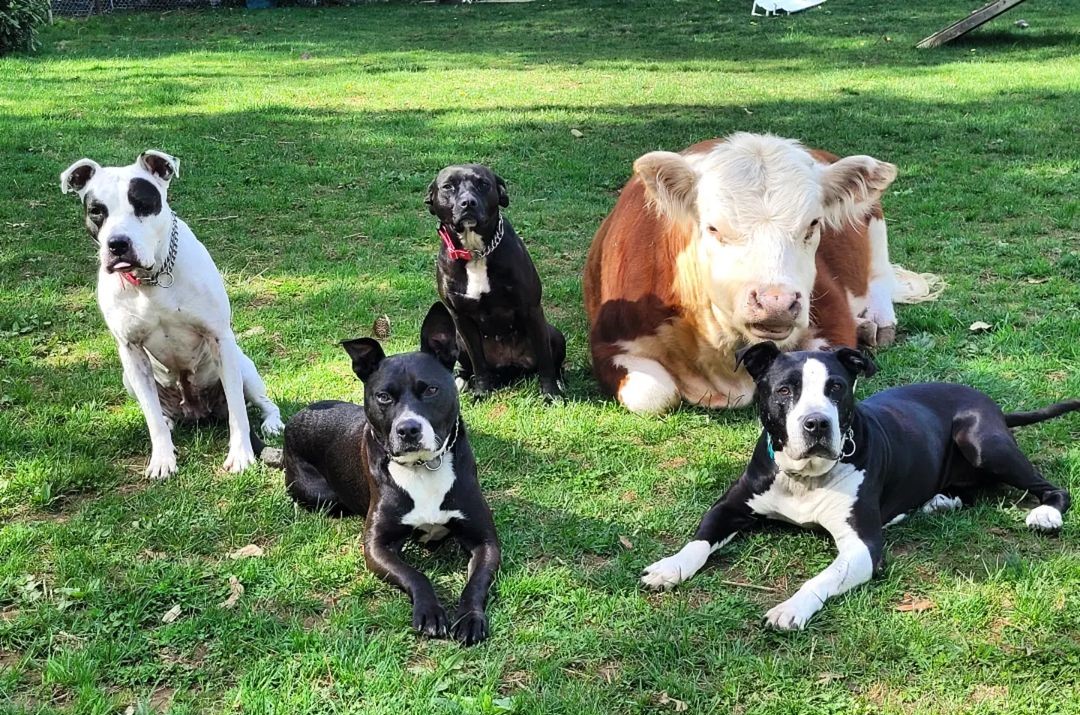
x=410, y=38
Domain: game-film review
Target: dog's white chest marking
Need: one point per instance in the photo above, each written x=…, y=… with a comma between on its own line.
x=476, y=275
x=826, y=501
x=476, y=278
x=428, y=490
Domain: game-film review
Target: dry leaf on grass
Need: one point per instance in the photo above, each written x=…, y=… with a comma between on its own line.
x=979, y=327
x=236, y=590
x=626, y=543
x=914, y=604
x=665, y=699
x=246, y=552
x=171, y=615
x=577, y=133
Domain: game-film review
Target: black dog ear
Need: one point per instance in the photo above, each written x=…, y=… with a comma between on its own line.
x=757, y=358
x=429, y=199
x=856, y=361
x=366, y=354
x=438, y=336
x=504, y=197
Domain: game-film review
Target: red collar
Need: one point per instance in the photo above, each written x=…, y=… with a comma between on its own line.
x=456, y=253
x=130, y=278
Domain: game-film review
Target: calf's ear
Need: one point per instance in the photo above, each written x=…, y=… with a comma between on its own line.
x=851, y=186
x=757, y=358
x=670, y=184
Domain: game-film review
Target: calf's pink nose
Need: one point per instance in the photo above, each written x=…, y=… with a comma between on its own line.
x=775, y=302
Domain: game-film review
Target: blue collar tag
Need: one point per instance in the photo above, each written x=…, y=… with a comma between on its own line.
x=768, y=446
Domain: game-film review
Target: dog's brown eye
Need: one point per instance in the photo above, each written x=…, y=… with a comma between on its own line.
x=834, y=387
x=447, y=187
x=783, y=391
x=383, y=398
x=431, y=391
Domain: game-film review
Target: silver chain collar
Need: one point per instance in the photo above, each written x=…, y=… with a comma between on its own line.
x=156, y=278
x=435, y=461
x=494, y=242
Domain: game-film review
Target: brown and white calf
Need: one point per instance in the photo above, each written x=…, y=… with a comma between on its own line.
x=735, y=241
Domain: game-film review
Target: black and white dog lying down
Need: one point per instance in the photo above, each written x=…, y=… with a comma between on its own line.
x=165, y=303
x=852, y=469
x=403, y=462
x=488, y=281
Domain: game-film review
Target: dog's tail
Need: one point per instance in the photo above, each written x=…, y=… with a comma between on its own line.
x=1019, y=419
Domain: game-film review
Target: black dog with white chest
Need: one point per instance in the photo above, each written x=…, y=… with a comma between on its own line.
x=854, y=468
x=488, y=281
x=402, y=461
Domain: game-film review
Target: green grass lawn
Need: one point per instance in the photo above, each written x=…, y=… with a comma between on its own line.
x=307, y=139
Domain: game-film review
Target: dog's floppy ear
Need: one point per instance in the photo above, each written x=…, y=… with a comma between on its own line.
x=366, y=354
x=430, y=198
x=504, y=197
x=438, y=336
x=78, y=175
x=856, y=361
x=160, y=164
x=757, y=358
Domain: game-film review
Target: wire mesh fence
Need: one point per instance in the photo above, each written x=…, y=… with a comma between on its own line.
x=82, y=8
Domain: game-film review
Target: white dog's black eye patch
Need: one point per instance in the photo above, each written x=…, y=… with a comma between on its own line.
x=144, y=197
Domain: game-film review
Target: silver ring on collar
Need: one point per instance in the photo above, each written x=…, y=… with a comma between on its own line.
x=849, y=438
x=436, y=460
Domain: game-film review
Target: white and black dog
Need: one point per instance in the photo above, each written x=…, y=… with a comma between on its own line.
x=165, y=303
x=403, y=462
x=852, y=469
x=489, y=282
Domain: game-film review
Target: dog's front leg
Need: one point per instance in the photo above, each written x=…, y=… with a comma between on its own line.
x=241, y=455
x=470, y=335
x=382, y=553
x=139, y=378
x=854, y=565
x=470, y=621
x=729, y=515
x=545, y=362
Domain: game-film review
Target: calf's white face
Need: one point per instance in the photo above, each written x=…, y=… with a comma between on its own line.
x=126, y=209
x=756, y=205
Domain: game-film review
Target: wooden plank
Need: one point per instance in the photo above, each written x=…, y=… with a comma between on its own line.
x=984, y=14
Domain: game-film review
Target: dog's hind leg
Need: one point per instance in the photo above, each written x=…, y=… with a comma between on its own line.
x=994, y=451
x=255, y=393
x=309, y=488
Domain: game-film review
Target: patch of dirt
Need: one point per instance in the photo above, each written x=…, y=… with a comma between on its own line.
x=8, y=659
x=989, y=694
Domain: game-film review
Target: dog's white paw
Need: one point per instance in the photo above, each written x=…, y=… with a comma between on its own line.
x=794, y=613
x=1044, y=518
x=162, y=464
x=240, y=458
x=940, y=502
x=272, y=426
x=670, y=572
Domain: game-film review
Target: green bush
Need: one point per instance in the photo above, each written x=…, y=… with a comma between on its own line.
x=19, y=21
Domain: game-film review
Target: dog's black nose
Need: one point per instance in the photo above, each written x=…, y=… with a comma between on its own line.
x=119, y=245
x=815, y=425
x=468, y=201
x=409, y=430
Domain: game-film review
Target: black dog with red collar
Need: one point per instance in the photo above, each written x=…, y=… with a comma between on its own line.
x=489, y=282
